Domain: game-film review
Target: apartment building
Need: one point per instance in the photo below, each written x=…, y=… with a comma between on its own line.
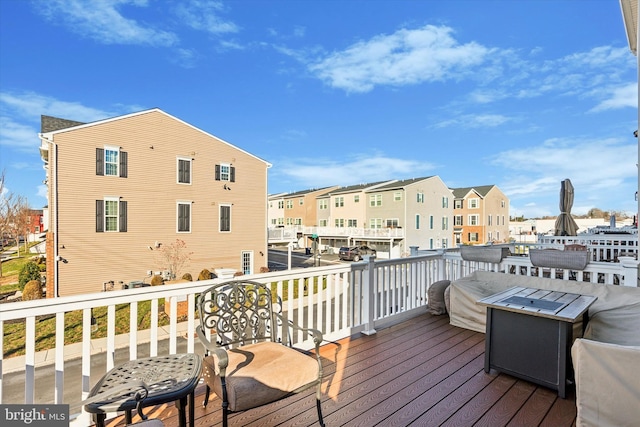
x=421, y=207
x=481, y=215
x=123, y=190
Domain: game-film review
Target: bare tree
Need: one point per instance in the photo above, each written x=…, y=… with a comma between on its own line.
x=174, y=256
x=22, y=221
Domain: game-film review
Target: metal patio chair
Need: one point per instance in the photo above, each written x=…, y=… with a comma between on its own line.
x=249, y=359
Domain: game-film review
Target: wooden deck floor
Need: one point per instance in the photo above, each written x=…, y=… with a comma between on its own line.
x=422, y=372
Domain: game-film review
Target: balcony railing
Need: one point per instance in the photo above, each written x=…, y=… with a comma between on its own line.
x=340, y=300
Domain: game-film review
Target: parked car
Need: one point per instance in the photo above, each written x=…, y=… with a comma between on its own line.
x=355, y=253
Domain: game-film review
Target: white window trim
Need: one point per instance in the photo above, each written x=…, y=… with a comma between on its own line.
x=220, y=206
x=473, y=201
x=187, y=159
x=111, y=199
x=228, y=173
x=111, y=148
x=477, y=220
x=184, y=202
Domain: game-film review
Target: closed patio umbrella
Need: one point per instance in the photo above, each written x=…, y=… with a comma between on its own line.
x=565, y=224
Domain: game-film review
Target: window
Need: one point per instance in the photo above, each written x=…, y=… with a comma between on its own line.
x=184, y=170
x=489, y=235
x=474, y=203
x=445, y=223
x=397, y=196
x=225, y=218
x=391, y=223
x=473, y=237
x=339, y=222
x=111, y=215
x=356, y=198
x=280, y=221
x=375, y=200
x=502, y=203
x=298, y=221
x=289, y=204
x=430, y=222
x=445, y=202
x=420, y=197
x=473, y=220
x=280, y=204
x=457, y=204
x=339, y=201
x=247, y=262
x=457, y=220
x=225, y=172
x=301, y=201
x=431, y=243
x=417, y=221
x=111, y=161
x=352, y=223
x=445, y=243
x=375, y=223
x=323, y=204
x=323, y=223
x=490, y=220
x=184, y=217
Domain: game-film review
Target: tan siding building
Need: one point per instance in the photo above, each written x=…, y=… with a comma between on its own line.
x=122, y=189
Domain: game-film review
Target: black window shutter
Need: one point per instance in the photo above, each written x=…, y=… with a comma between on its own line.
x=123, y=216
x=232, y=178
x=99, y=161
x=99, y=216
x=123, y=164
x=186, y=171
x=217, y=172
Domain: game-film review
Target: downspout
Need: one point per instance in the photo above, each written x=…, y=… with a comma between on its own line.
x=53, y=212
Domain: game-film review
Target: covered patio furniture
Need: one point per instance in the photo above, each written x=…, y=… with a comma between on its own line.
x=249, y=360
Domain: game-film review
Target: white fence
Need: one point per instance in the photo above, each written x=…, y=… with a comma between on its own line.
x=339, y=300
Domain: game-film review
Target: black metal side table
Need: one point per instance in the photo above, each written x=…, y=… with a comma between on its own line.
x=530, y=332
x=171, y=378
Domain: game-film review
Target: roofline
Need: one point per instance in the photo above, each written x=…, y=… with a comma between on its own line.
x=47, y=135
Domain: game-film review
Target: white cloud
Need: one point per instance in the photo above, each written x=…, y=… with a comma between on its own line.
x=405, y=57
x=315, y=173
x=475, y=121
x=29, y=105
x=619, y=97
x=101, y=21
x=204, y=16
x=18, y=136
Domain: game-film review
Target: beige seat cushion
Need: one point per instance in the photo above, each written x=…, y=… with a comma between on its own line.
x=261, y=373
x=435, y=297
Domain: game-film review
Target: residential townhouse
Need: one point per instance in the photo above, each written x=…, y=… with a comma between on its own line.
x=300, y=207
x=123, y=190
x=481, y=215
x=421, y=207
x=390, y=216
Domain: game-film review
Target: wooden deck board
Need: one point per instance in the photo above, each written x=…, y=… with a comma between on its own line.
x=420, y=372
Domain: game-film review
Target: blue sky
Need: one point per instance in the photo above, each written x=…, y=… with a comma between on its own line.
x=521, y=94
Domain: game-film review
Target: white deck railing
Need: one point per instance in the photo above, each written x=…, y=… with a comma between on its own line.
x=339, y=300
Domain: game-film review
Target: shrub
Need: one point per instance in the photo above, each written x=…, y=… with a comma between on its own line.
x=29, y=271
x=32, y=290
x=157, y=280
x=204, y=274
x=187, y=276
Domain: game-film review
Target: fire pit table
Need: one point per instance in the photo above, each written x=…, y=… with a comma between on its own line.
x=530, y=332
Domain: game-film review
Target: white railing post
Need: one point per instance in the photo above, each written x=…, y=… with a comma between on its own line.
x=630, y=265
x=369, y=299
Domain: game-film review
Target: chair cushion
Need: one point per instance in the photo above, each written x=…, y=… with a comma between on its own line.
x=261, y=373
x=435, y=297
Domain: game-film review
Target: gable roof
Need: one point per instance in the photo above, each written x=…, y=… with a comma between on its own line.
x=399, y=184
x=482, y=190
x=307, y=191
x=358, y=187
x=80, y=125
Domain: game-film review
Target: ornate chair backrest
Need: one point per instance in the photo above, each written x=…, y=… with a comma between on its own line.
x=238, y=312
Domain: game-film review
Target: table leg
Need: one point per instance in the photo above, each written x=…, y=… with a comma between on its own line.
x=182, y=416
x=100, y=419
x=128, y=417
x=192, y=407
